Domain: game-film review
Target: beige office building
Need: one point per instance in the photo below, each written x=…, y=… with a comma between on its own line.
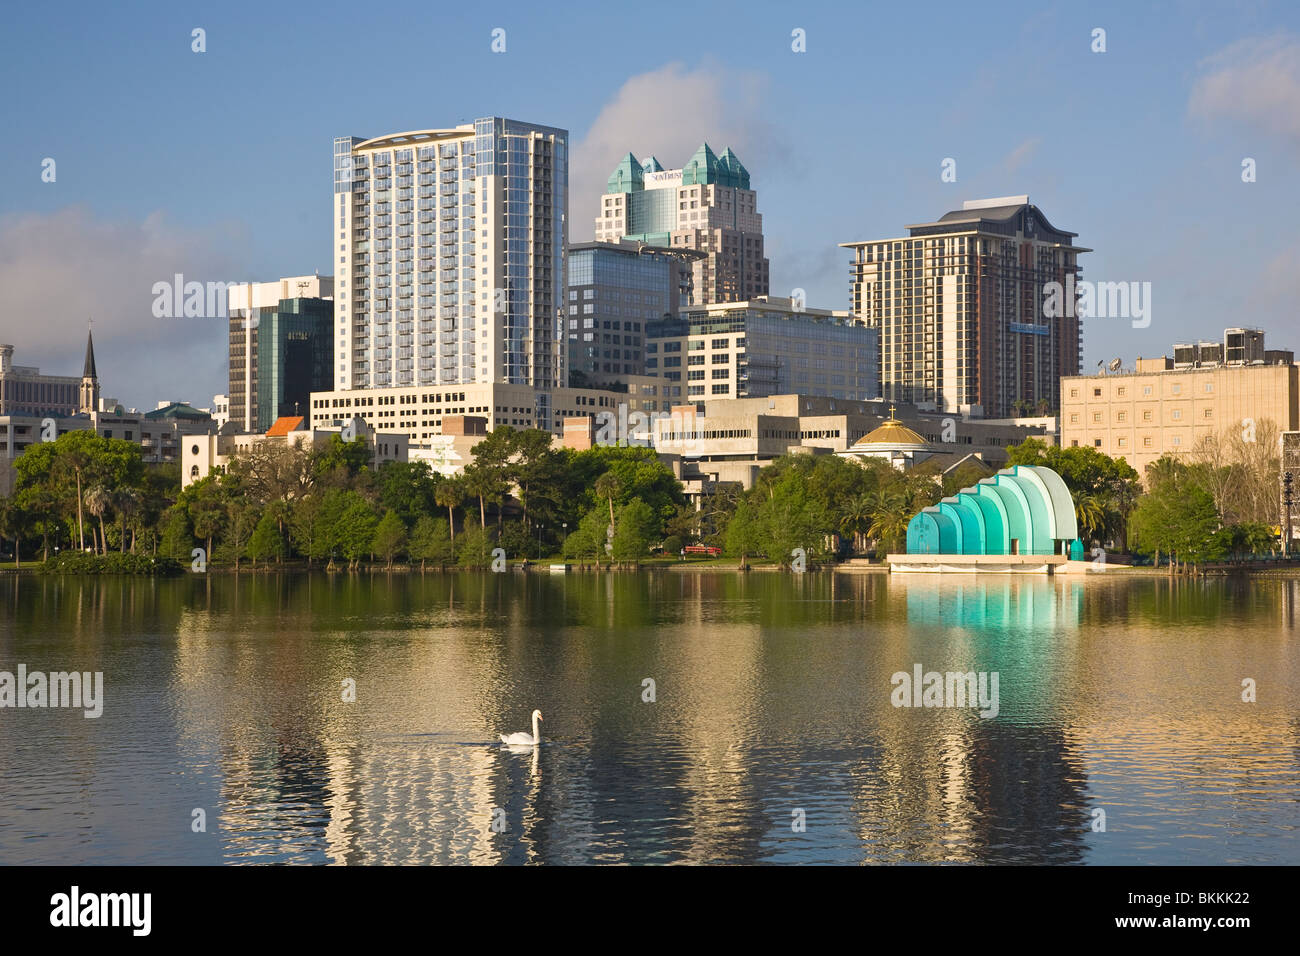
x=766, y=346
x=419, y=412
x=1158, y=409
x=732, y=439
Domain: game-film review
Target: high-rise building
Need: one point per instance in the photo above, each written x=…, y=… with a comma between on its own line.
x=451, y=247
x=615, y=289
x=281, y=348
x=768, y=346
x=706, y=205
x=960, y=307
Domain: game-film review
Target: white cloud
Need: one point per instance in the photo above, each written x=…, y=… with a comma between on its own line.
x=668, y=113
x=1254, y=83
x=59, y=269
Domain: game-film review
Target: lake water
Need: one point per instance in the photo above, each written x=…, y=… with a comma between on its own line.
x=772, y=735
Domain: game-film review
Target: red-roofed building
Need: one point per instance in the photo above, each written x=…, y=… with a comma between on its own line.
x=286, y=424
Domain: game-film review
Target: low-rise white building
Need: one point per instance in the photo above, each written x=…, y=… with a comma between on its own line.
x=212, y=451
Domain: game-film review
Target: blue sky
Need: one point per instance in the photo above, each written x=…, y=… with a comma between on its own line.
x=218, y=164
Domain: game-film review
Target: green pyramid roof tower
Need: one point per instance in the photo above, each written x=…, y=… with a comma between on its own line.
x=702, y=168
x=737, y=174
x=627, y=176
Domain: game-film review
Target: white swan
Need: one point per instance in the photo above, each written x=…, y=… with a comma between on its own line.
x=522, y=739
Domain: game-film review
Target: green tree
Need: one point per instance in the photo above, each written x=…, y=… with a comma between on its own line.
x=744, y=533
x=338, y=463
x=449, y=494
x=204, y=501
x=537, y=468
x=490, y=476
x=635, y=530
x=474, y=547
x=266, y=542
x=608, y=487
x=354, y=532
x=304, y=519
x=588, y=539
x=242, y=519
x=389, y=537
x=14, y=523
x=407, y=488
x=431, y=541
x=97, y=503
x=890, y=516
x=177, y=535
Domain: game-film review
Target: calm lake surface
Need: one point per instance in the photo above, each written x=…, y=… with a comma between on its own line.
x=772, y=703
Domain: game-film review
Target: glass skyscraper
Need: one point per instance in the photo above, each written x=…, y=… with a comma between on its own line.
x=615, y=289
x=281, y=350
x=451, y=247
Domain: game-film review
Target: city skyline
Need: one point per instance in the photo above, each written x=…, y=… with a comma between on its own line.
x=1112, y=151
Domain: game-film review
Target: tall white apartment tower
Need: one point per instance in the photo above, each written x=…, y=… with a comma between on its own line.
x=451, y=246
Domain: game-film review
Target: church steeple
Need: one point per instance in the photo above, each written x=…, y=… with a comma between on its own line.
x=88, y=370
x=89, y=378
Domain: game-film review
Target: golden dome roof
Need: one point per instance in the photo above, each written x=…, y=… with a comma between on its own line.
x=891, y=433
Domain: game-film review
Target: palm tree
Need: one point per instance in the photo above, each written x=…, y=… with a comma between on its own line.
x=889, y=518
x=77, y=458
x=607, y=486
x=126, y=501
x=1090, y=514
x=449, y=494
x=856, y=518
x=478, y=483
x=98, y=500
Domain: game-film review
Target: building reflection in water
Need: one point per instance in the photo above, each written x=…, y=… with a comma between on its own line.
x=772, y=704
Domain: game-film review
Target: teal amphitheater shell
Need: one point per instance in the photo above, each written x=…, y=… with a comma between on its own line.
x=1025, y=509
